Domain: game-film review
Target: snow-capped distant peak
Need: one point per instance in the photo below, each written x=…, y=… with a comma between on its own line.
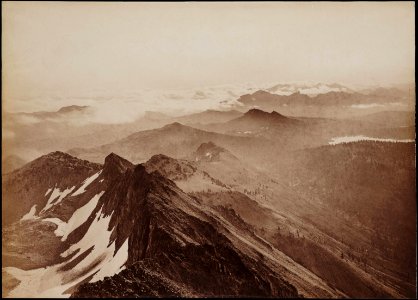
x=310, y=89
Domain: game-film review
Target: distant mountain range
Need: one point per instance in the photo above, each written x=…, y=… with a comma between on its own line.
x=307, y=89
x=31, y=134
x=173, y=139
x=256, y=201
x=265, y=99
x=208, y=116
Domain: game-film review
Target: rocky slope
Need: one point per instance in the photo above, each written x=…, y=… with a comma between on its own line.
x=141, y=220
x=366, y=190
x=42, y=182
x=181, y=242
x=209, y=225
x=297, y=223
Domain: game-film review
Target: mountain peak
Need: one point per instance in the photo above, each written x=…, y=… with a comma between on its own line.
x=174, y=125
x=158, y=158
x=254, y=112
x=56, y=171
x=208, y=152
x=276, y=114
x=71, y=108
x=171, y=168
x=260, y=93
x=207, y=146
x=57, y=154
x=115, y=165
x=60, y=159
x=256, y=118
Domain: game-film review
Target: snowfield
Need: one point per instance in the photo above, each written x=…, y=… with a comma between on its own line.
x=98, y=258
x=80, y=216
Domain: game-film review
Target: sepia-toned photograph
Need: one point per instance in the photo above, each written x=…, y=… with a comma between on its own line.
x=208, y=149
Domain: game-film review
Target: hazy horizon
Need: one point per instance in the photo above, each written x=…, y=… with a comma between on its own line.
x=56, y=52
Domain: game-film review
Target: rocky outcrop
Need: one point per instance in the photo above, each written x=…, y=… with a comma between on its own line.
x=115, y=165
x=174, y=169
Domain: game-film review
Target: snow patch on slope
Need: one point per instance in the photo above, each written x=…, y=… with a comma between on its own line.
x=113, y=264
x=80, y=216
x=99, y=262
x=97, y=236
x=30, y=215
x=48, y=191
x=61, y=225
x=86, y=183
x=56, y=197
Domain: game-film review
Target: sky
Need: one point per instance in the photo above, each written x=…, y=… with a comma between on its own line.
x=60, y=53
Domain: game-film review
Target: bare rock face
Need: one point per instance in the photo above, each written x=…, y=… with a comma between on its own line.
x=175, y=247
x=115, y=165
x=176, y=244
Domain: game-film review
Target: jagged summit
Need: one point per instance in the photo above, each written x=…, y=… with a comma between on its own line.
x=114, y=164
x=158, y=157
x=171, y=168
